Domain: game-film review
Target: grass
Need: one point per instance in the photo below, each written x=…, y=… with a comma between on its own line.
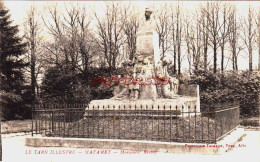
x=16, y=126
x=177, y=129
x=253, y=121
x=150, y=127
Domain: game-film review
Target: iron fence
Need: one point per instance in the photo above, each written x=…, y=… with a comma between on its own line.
x=171, y=124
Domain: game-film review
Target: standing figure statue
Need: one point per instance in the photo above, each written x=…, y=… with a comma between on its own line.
x=137, y=77
x=148, y=89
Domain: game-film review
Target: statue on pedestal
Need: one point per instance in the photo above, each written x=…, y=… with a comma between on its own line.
x=147, y=41
x=147, y=66
x=145, y=82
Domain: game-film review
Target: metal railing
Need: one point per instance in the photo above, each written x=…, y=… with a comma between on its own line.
x=156, y=124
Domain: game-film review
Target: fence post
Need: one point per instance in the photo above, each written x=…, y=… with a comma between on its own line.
x=238, y=116
x=189, y=109
x=170, y=122
x=32, y=116
x=195, y=138
x=64, y=120
x=164, y=122
x=215, y=117
x=183, y=129
x=158, y=134
x=52, y=121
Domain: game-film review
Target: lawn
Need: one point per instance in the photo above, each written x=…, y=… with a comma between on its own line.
x=253, y=121
x=137, y=125
x=16, y=126
x=180, y=129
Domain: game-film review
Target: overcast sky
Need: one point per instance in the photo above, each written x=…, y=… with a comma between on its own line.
x=18, y=11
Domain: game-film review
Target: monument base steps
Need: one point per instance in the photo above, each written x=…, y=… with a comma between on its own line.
x=135, y=145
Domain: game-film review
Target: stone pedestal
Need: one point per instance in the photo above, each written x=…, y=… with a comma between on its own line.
x=147, y=45
x=176, y=107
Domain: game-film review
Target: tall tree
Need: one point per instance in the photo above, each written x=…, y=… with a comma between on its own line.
x=32, y=28
x=110, y=33
x=258, y=37
x=72, y=38
x=173, y=37
x=194, y=40
x=233, y=37
x=163, y=27
x=86, y=41
x=58, y=48
x=205, y=35
x=179, y=28
x=176, y=17
x=224, y=32
x=130, y=26
x=248, y=35
x=11, y=65
x=188, y=25
x=212, y=11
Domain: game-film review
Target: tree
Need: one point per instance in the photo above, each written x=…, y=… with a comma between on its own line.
x=163, y=28
x=130, y=26
x=58, y=49
x=11, y=65
x=258, y=37
x=188, y=24
x=32, y=31
x=110, y=33
x=179, y=36
x=248, y=35
x=87, y=46
x=224, y=32
x=73, y=41
x=233, y=37
x=194, y=40
x=61, y=85
x=205, y=35
x=176, y=32
x=212, y=12
x=173, y=37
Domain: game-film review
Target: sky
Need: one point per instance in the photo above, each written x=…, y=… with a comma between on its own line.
x=18, y=11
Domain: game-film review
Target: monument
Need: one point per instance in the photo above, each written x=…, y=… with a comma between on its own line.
x=146, y=82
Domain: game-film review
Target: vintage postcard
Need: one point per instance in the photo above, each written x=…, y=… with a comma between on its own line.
x=129, y=80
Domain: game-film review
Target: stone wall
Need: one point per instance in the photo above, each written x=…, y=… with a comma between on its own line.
x=188, y=90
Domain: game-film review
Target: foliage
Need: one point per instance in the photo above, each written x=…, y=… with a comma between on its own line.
x=66, y=85
x=11, y=65
x=215, y=88
x=229, y=87
x=27, y=99
x=63, y=84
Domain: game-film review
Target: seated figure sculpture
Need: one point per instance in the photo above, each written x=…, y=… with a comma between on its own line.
x=174, y=82
x=169, y=90
x=123, y=90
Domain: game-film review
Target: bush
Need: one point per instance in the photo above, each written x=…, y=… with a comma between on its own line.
x=66, y=85
x=228, y=87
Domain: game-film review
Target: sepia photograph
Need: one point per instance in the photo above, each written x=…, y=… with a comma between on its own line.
x=129, y=81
